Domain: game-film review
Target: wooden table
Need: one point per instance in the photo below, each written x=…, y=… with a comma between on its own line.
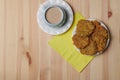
x=25, y=54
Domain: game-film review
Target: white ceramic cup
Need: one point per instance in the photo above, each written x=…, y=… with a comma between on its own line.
x=62, y=20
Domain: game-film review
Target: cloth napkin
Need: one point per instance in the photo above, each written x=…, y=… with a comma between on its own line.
x=64, y=46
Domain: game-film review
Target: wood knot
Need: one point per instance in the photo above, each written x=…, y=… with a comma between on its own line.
x=22, y=38
x=109, y=14
x=29, y=57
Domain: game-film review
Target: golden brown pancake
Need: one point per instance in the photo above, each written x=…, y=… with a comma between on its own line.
x=91, y=49
x=95, y=22
x=80, y=42
x=85, y=28
x=101, y=31
x=101, y=42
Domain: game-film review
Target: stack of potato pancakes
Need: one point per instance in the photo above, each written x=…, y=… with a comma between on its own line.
x=90, y=37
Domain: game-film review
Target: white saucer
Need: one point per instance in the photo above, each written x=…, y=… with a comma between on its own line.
x=52, y=30
x=103, y=25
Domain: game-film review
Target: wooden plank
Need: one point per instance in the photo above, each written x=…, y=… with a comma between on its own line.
x=23, y=40
x=114, y=56
x=10, y=41
x=45, y=59
x=2, y=24
x=33, y=53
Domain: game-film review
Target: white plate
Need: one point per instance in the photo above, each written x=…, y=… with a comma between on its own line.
x=52, y=30
x=103, y=25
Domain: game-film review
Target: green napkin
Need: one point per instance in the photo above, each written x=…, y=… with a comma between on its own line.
x=64, y=46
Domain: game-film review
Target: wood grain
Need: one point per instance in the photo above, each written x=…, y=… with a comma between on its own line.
x=25, y=54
